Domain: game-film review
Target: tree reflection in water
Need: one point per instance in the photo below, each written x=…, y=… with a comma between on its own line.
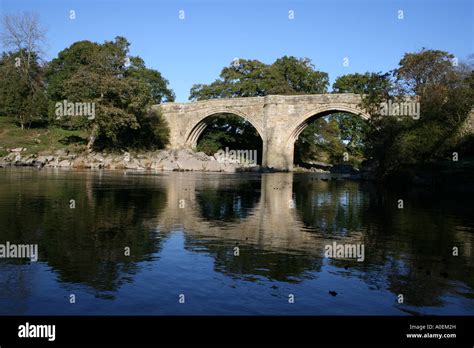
x=280, y=224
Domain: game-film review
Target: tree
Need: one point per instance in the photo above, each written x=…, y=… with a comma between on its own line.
x=362, y=83
x=121, y=88
x=418, y=71
x=158, y=85
x=243, y=78
x=252, y=78
x=21, y=74
x=374, y=88
x=298, y=76
x=326, y=139
x=228, y=130
x=444, y=92
x=320, y=141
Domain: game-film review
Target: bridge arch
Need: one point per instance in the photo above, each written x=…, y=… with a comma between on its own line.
x=303, y=121
x=199, y=125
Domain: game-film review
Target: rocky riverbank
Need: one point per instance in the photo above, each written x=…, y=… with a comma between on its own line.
x=163, y=160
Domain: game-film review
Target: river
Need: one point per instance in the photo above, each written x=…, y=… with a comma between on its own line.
x=186, y=243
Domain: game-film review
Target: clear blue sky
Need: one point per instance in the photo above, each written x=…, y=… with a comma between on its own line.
x=195, y=49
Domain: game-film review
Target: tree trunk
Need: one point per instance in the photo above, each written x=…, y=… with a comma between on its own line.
x=92, y=138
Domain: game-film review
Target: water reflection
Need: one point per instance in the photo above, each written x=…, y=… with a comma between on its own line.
x=182, y=230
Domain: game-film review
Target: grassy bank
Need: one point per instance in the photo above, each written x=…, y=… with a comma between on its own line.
x=38, y=140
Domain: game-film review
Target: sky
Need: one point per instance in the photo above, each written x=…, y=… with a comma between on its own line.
x=369, y=35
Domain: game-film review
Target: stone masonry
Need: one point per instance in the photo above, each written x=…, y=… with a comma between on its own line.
x=278, y=119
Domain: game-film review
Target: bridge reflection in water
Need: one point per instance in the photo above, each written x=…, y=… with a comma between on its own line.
x=182, y=229
x=260, y=210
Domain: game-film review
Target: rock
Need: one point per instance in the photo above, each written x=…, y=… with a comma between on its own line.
x=229, y=168
x=108, y=163
x=167, y=165
x=29, y=160
x=320, y=167
x=64, y=163
x=133, y=164
x=190, y=164
x=267, y=170
x=18, y=149
x=183, y=154
x=126, y=156
x=97, y=157
x=38, y=163
x=164, y=160
x=45, y=159
x=61, y=153
x=10, y=157
x=212, y=166
x=203, y=157
x=160, y=155
x=78, y=163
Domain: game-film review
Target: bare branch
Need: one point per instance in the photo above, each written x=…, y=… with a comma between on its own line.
x=23, y=33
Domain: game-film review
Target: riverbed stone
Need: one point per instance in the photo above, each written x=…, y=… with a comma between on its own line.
x=211, y=166
x=190, y=164
x=64, y=163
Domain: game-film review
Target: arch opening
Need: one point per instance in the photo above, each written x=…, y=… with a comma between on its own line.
x=330, y=137
x=227, y=131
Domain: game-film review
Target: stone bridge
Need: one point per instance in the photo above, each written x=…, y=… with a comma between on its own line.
x=278, y=119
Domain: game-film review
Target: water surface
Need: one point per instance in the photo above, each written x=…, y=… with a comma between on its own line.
x=182, y=230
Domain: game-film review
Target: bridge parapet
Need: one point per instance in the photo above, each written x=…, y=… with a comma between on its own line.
x=279, y=119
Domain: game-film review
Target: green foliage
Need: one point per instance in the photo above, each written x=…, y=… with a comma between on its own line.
x=298, y=76
x=423, y=69
x=362, y=83
x=446, y=97
x=21, y=90
x=228, y=130
x=152, y=134
x=374, y=87
x=122, y=92
x=319, y=141
x=157, y=85
x=252, y=78
x=327, y=139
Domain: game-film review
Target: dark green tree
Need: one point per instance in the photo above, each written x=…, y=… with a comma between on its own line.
x=252, y=78
x=121, y=88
